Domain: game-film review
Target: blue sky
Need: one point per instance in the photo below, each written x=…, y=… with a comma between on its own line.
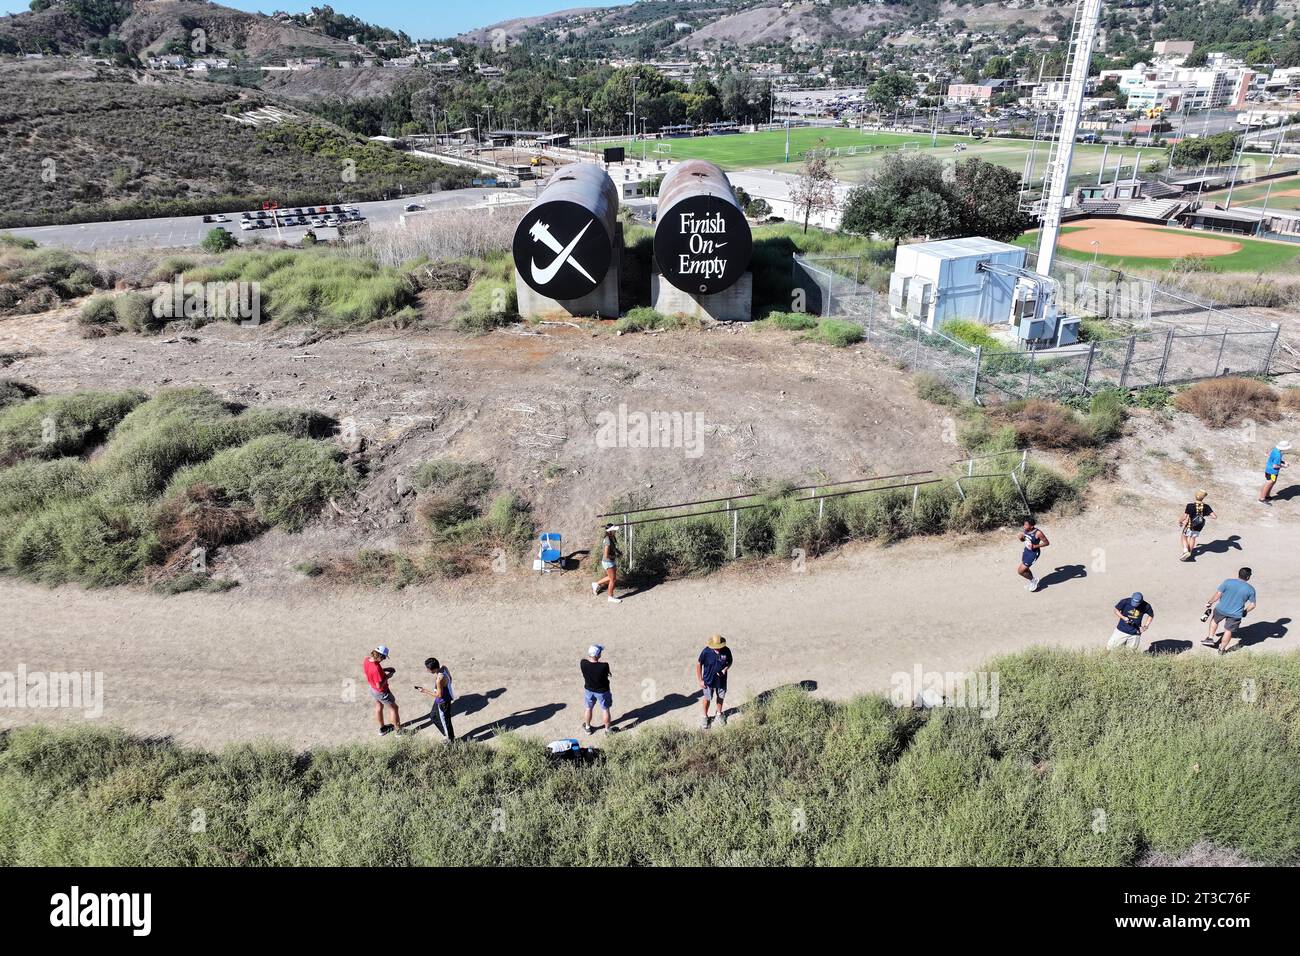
x=439, y=18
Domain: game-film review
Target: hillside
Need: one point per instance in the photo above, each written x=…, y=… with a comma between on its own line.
x=150, y=26
x=85, y=142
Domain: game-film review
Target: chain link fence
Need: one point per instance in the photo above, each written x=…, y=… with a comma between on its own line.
x=1179, y=337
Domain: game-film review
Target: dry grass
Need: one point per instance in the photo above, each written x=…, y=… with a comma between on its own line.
x=1221, y=402
x=1042, y=424
x=441, y=236
x=1290, y=399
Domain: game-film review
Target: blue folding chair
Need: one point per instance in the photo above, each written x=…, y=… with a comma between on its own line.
x=550, y=557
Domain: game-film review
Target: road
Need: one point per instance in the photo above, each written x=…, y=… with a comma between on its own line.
x=284, y=663
x=189, y=230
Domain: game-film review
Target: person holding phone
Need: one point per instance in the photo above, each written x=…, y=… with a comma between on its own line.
x=443, y=694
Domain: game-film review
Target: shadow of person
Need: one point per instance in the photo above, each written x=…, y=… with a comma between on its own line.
x=1221, y=546
x=1287, y=493
x=1168, y=647
x=1261, y=631
x=472, y=703
x=669, y=703
x=807, y=686
x=520, y=718
x=1066, y=572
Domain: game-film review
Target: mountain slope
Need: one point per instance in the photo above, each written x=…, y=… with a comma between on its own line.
x=81, y=142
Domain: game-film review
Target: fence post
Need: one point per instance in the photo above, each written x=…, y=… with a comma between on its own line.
x=1029, y=382
x=1223, y=344
x=975, y=379
x=1128, y=358
x=1015, y=481
x=1164, y=359
x=627, y=538
x=1024, y=460
x=1087, y=368
x=1272, y=347
x=735, y=533
x=960, y=493
x=916, y=490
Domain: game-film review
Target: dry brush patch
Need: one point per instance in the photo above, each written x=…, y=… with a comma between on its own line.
x=1221, y=402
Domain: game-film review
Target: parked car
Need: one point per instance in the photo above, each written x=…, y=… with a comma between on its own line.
x=246, y=224
x=317, y=222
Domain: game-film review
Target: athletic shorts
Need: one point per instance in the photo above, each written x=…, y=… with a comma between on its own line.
x=383, y=696
x=1028, y=557
x=1119, y=638
x=1229, y=623
x=592, y=698
x=1190, y=532
x=715, y=693
x=1270, y=475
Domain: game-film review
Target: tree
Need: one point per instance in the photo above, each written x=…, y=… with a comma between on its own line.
x=908, y=196
x=814, y=190
x=985, y=201
x=218, y=240
x=890, y=88
x=758, y=209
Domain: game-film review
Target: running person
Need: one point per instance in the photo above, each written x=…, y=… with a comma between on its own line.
x=1234, y=599
x=1272, y=469
x=1035, y=541
x=609, y=561
x=711, y=669
x=442, y=694
x=377, y=677
x=1134, y=617
x=1192, y=523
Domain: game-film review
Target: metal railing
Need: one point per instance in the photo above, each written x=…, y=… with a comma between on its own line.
x=629, y=522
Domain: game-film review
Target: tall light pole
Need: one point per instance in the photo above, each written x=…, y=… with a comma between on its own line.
x=587, y=110
x=634, y=82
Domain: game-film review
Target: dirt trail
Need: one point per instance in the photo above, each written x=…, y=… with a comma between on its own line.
x=210, y=669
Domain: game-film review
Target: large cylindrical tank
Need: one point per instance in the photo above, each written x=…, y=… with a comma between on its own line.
x=702, y=240
x=565, y=243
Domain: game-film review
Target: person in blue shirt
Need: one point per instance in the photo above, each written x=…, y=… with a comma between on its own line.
x=1034, y=541
x=1234, y=599
x=711, y=671
x=1134, y=616
x=1272, y=469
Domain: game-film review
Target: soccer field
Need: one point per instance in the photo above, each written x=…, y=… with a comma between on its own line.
x=860, y=152
x=1281, y=194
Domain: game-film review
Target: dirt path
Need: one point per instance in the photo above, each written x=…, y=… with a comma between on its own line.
x=211, y=669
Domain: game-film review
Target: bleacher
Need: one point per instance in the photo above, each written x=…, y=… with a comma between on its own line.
x=1161, y=210
x=1099, y=208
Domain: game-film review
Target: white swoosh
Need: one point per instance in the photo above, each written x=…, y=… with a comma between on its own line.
x=544, y=276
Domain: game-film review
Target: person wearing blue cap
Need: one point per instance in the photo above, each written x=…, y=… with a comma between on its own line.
x=595, y=687
x=1134, y=617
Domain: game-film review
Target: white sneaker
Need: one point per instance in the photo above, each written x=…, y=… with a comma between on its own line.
x=1031, y=586
x=595, y=587
x=615, y=600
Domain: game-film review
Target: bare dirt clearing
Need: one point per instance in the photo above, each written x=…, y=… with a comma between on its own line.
x=525, y=401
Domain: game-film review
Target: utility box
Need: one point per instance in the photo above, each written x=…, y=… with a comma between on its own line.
x=938, y=282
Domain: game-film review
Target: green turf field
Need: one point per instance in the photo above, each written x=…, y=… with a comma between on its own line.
x=766, y=150
x=1255, y=194
x=1255, y=256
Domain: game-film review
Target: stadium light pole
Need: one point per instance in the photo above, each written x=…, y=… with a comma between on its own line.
x=634, y=82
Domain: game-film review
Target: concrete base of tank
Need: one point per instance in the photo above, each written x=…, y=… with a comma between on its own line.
x=733, y=305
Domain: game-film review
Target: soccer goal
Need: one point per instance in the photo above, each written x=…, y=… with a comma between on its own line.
x=914, y=144
x=665, y=148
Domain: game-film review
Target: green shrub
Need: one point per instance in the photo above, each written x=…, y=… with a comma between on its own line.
x=493, y=300
x=134, y=312
x=454, y=491
x=643, y=319
x=13, y=392
x=286, y=480
x=86, y=541
x=97, y=312
x=51, y=426
x=792, y=321
x=218, y=240
x=839, y=332
x=933, y=389
x=974, y=334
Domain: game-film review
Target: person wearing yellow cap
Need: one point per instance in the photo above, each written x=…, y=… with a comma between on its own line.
x=711, y=669
x=1193, y=523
